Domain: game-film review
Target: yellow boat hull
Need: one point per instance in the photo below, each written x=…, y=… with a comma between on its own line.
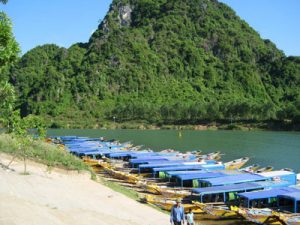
x=260, y=218
x=219, y=213
x=167, y=204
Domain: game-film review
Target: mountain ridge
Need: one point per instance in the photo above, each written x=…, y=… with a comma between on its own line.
x=163, y=62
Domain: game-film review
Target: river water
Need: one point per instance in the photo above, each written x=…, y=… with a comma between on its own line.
x=278, y=149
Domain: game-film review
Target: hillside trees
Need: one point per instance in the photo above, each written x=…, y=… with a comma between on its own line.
x=162, y=62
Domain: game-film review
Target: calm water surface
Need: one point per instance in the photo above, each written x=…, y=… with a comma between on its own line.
x=279, y=149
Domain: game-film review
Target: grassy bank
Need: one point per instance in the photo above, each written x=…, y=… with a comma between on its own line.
x=42, y=152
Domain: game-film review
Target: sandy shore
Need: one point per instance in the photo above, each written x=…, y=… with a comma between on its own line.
x=59, y=197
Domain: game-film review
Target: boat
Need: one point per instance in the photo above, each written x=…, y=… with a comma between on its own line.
x=234, y=179
x=89, y=161
x=222, y=211
x=260, y=216
x=164, y=191
x=289, y=202
x=265, y=169
x=293, y=220
x=211, y=156
x=167, y=204
x=250, y=169
x=236, y=164
x=264, y=198
x=192, y=180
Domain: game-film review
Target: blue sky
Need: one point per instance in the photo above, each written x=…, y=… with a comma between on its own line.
x=65, y=22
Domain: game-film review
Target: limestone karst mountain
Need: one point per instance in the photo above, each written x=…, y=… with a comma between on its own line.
x=162, y=61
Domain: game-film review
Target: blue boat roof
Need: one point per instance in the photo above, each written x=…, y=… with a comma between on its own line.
x=200, y=176
x=175, y=172
x=293, y=195
x=162, y=164
x=177, y=167
x=274, y=184
x=227, y=188
x=235, y=179
x=271, y=193
x=131, y=154
x=149, y=159
x=213, y=166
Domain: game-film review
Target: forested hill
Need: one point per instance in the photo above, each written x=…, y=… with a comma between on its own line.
x=162, y=61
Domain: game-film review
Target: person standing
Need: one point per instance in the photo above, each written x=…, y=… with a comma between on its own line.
x=190, y=218
x=177, y=213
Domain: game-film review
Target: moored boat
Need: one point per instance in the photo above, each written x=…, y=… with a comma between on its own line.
x=236, y=164
x=167, y=204
x=260, y=216
x=265, y=169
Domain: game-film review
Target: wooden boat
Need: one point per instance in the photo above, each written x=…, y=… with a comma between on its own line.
x=252, y=168
x=130, y=178
x=287, y=218
x=260, y=216
x=165, y=191
x=222, y=212
x=167, y=204
x=236, y=164
x=89, y=161
x=265, y=169
x=211, y=156
x=293, y=220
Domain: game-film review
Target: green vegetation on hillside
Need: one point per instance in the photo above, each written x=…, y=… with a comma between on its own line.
x=163, y=62
x=42, y=152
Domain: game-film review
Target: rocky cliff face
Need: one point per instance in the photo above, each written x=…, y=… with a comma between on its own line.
x=125, y=14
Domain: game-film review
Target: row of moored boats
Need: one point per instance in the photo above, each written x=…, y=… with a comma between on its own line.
x=206, y=185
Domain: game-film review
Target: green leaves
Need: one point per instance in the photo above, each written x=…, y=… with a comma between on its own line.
x=7, y=104
x=9, y=48
x=177, y=61
x=4, y=1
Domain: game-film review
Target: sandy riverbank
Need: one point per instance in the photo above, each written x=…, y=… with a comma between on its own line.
x=60, y=197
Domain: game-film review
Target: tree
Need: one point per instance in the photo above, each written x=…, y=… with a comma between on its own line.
x=19, y=128
x=7, y=105
x=9, y=48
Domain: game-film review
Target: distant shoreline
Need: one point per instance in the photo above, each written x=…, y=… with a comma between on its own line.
x=144, y=125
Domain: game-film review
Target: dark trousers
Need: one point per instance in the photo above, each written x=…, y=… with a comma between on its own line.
x=176, y=223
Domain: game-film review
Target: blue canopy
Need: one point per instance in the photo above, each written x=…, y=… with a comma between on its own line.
x=293, y=195
x=200, y=176
x=234, y=179
x=271, y=193
x=179, y=167
x=148, y=159
x=162, y=164
x=213, y=166
x=274, y=184
x=227, y=188
x=97, y=152
x=175, y=172
x=130, y=154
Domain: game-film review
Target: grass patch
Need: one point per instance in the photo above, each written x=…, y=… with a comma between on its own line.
x=115, y=186
x=119, y=188
x=43, y=152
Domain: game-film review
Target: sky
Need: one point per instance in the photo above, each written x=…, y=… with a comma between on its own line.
x=65, y=22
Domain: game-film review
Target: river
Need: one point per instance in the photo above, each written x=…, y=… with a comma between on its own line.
x=278, y=149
